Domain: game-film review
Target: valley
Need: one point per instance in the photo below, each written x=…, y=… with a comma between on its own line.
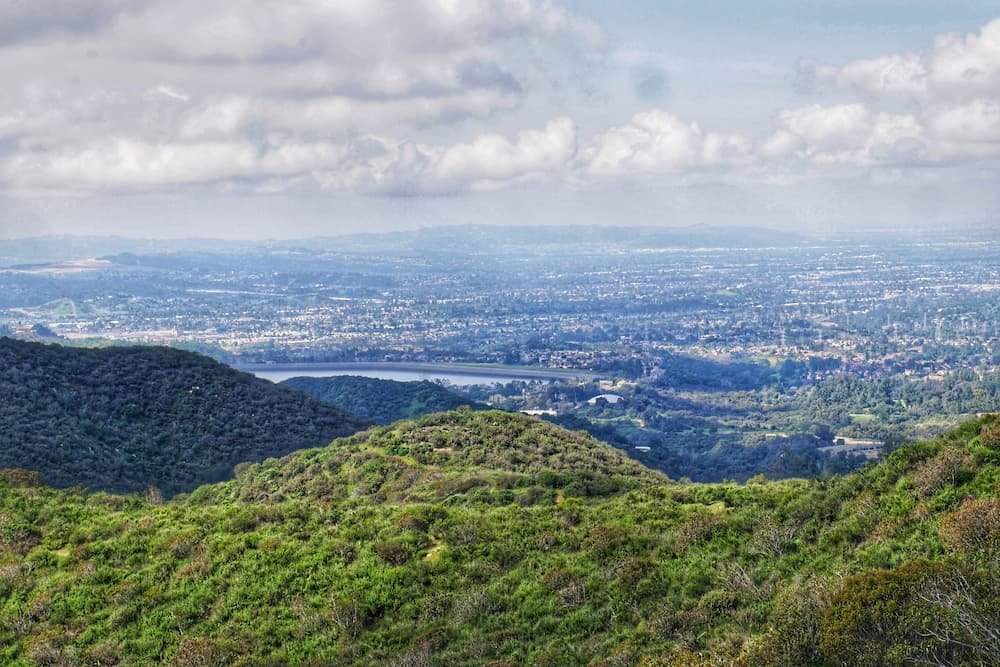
x=739, y=352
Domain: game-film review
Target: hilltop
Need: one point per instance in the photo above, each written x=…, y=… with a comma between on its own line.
x=490, y=455
x=383, y=401
x=474, y=538
x=126, y=418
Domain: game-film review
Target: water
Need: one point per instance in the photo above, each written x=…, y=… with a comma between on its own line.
x=459, y=375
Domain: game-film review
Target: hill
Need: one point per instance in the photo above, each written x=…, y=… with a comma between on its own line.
x=475, y=538
x=126, y=418
x=492, y=455
x=383, y=401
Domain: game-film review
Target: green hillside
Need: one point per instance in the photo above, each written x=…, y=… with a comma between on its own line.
x=487, y=538
x=383, y=401
x=126, y=418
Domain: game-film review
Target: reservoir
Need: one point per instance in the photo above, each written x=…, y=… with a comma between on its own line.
x=457, y=374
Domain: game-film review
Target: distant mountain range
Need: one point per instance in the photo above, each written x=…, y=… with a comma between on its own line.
x=490, y=239
x=460, y=239
x=126, y=418
x=457, y=240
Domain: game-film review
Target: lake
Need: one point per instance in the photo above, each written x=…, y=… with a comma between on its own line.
x=457, y=374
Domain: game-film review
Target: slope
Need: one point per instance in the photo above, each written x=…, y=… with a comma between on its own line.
x=357, y=554
x=124, y=419
x=383, y=401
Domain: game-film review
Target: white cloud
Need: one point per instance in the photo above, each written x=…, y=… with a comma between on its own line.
x=370, y=164
x=955, y=67
x=904, y=75
x=781, y=144
x=382, y=166
x=493, y=159
x=126, y=162
x=169, y=92
x=223, y=117
x=967, y=65
x=973, y=122
x=845, y=134
x=952, y=92
x=659, y=141
x=828, y=127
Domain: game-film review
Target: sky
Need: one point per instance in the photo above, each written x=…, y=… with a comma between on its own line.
x=294, y=118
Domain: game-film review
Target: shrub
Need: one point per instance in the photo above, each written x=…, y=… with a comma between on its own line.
x=989, y=436
x=19, y=477
x=698, y=528
x=950, y=467
x=919, y=612
x=974, y=530
x=196, y=652
x=795, y=623
x=410, y=521
x=394, y=553
x=605, y=540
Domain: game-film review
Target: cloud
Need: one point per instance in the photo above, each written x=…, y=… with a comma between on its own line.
x=904, y=75
x=952, y=96
x=390, y=98
x=126, y=162
x=492, y=160
x=290, y=92
x=368, y=164
x=304, y=65
x=657, y=141
x=955, y=67
x=381, y=166
x=977, y=121
x=28, y=20
x=828, y=127
x=650, y=83
x=288, y=30
x=968, y=65
x=847, y=134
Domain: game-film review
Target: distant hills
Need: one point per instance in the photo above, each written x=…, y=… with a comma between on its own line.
x=497, y=241
x=125, y=418
x=41, y=249
x=488, y=538
x=383, y=401
x=458, y=240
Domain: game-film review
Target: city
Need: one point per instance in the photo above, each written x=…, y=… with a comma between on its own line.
x=759, y=339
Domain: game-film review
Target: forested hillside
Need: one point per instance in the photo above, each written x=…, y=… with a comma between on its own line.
x=126, y=418
x=383, y=401
x=474, y=538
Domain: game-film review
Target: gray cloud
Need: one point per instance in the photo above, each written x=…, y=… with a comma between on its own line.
x=27, y=20
x=650, y=83
x=486, y=74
